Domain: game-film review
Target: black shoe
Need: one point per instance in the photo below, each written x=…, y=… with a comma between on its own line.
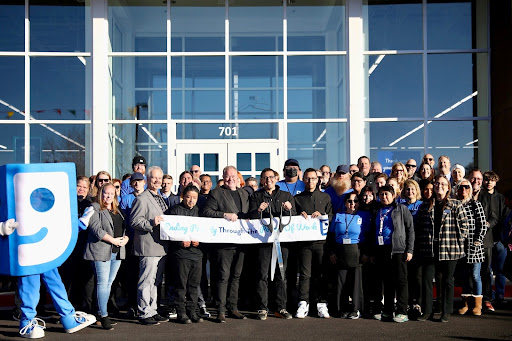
x=424, y=317
x=183, y=319
x=159, y=318
x=196, y=318
x=283, y=314
x=150, y=321
x=221, y=318
x=236, y=314
x=444, y=318
x=105, y=323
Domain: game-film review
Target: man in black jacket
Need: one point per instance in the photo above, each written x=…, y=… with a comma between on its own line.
x=230, y=203
x=311, y=253
x=266, y=200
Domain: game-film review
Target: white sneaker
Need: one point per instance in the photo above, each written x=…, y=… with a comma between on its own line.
x=78, y=321
x=34, y=329
x=323, y=312
x=302, y=310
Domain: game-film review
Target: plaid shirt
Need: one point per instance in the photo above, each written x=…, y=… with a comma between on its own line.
x=477, y=228
x=160, y=200
x=452, y=232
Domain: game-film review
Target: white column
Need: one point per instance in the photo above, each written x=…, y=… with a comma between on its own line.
x=100, y=87
x=356, y=81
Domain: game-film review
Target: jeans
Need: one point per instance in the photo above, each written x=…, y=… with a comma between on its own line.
x=392, y=273
x=499, y=254
x=472, y=281
x=486, y=274
x=105, y=274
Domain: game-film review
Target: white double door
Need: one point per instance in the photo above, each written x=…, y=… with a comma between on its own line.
x=250, y=157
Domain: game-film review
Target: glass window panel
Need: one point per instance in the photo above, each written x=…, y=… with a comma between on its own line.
x=12, y=139
x=129, y=140
x=192, y=159
x=243, y=162
x=139, y=27
x=256, y=82
x=12, y=26
x=457, y=85
x=395, y=86
x=211, y=162
x=57, y=88
x=226, y=131
x=392, y=142
x=316, y=25
x=449, y=24
x=215, y=179
x=393, y=25
x=316, y=87
x=139, y=86
x=262, y=161
x=316, y=144
x=200, y=22
x=60, y=143
x=256, y=25
x=12, y=88
x=464, y=142
x=58, y=26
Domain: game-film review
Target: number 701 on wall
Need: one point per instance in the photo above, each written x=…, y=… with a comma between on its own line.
x=228, y=131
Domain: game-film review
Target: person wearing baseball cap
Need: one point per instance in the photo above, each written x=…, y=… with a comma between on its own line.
x=340, y=186
x=138, y=166
x=291, y=182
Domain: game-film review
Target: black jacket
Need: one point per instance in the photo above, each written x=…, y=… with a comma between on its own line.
x=495, y=212
x=276, y=199
x=176, y=248
x=310, y=202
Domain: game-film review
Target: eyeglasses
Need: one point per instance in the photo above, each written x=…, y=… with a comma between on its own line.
x=325, y=173
x=310, y=179
x=400, y=170
x=464, y=187
x=428, y=159
x=272, y=177
x=103, y=180
x=355, y=201
x=117, y=186
x=195, y=171
x=410, y=166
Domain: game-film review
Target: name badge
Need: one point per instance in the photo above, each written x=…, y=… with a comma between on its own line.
x=380, y=240
x=447, y=211
x=347, y=241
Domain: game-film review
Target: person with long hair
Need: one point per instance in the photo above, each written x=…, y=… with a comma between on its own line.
x=399, y=172
x=441, y=229
x=426, y=172
x=105, y=246
x=101, y=178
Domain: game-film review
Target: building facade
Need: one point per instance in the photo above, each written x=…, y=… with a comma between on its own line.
x=243, y=82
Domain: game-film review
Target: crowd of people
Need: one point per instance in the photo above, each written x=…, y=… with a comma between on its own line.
x=391, y=238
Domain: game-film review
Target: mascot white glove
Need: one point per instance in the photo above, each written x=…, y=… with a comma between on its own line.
x=8, y=227
x=83, y=222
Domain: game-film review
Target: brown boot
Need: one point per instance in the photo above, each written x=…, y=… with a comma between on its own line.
x=477, y=310
x=465, y=300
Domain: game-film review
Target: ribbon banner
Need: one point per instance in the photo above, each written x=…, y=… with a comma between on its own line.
x=220, y=230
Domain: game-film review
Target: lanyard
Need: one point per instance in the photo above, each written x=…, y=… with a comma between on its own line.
x=294, y=187
x=347, y=225
x=382, y=217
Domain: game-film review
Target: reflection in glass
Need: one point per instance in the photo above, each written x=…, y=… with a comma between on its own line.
x=316, y=144
x=316, y=25
x=391, y=142
x=59, y=143
x=464, y=142
x=211, y=163
x=226, y=131
x=262, y=161
x=12, y=26
x=393, y=25
x=12, y=139
x=57, y=88
x=453, y=87
x=58, y=26
x=12, y=88
x=139, y=86
x=200, y=23
x=148, y=140
x=140, y=27
x=316, y=87
x=256, y=25
x=449, y=25
x=395, y=86
x=255, y=84
x=243, y=162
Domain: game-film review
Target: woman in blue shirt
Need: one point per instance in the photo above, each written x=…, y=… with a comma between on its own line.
x=347, y=232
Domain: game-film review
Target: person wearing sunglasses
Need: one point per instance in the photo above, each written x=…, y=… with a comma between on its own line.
x=429, y=159
x=472, y=263
x=102, y=178
x=312, y=202
x=347, y=235
x=117, y=186
x=411, y=168
x=393, y=246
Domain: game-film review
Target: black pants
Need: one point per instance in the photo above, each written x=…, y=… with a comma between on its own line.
x=78, y=279
x=414, y=270
x=311, y=274
x=350, y=284
x=187, y=281
x=445, y=269
x=265, y=258
x=485, y=274
x=229, y=264
x=392, y=273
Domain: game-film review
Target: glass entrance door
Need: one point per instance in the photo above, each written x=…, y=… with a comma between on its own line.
x=250, y=157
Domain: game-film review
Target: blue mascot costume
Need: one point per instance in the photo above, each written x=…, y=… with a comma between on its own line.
x=39, y=229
